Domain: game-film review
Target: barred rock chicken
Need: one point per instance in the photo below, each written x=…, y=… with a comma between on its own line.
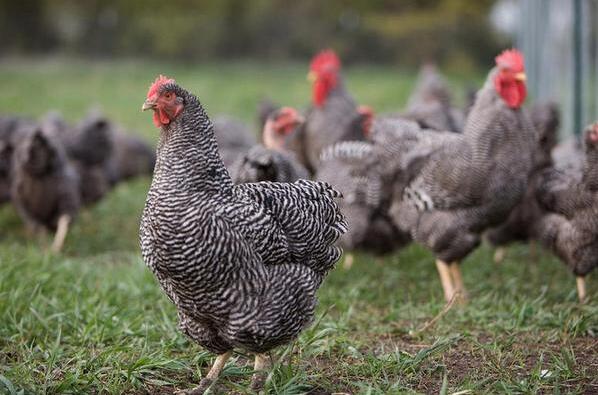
x=89, y=146
x=44, y=186
x=469, y=185
x=333, y=116
x=234, y=138
x=131, y=157
x=430, y=103
x=344, y=165
x=521, y=223
x=570, y=228
x=271, y=161
x=242, y=263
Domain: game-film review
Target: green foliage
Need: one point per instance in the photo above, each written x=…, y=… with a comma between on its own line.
x=367, y=31
x=93, y=320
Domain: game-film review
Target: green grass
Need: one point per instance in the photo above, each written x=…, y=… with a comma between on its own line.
x=93, y=320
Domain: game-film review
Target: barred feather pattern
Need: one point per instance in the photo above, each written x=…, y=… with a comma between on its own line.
x=345, y=166
x=263, y=164
x=337, y=120
x=242, y=263
x=472, y=183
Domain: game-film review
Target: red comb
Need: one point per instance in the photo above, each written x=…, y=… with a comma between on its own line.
x=512, y=59
x=161, y=80
x=325, y=60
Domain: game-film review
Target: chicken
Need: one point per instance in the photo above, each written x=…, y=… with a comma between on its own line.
x=570, y=229
x=8, y=125
x=344, y=165
x=131, y=157
x=242, y=263
x=44, y=186
x=430, y=103
x=521, y=223
x=474, y=182
x=89, y=146
x=333, y=116
x=271, y=161
x=264, y=109
x=234, y=138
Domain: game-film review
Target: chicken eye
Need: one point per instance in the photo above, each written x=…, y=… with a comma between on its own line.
x=167, y=95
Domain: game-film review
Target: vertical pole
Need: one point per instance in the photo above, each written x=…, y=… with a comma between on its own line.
x=577, y=67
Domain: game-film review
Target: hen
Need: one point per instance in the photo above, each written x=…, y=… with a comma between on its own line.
x=271, y=161
x=242, y=263
x=521, y=223
x=44, y=186
x=474, y=181
x=430, y=103
x=570, y=228
x=333, y=116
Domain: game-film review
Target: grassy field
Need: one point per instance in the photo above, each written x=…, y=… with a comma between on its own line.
x=92, y=320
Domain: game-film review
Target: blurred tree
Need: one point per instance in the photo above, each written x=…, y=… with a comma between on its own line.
x=361, y=30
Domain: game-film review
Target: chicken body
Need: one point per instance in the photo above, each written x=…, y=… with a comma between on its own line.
x=470, y=183
x=242, y=263
x=264, y=164
x=570, y=228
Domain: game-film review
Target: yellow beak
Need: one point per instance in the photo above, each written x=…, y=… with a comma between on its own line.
x=312, y=76
x=148, y=105
x=520, y=76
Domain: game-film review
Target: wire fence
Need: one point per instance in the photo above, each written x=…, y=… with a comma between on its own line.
x=546, y=34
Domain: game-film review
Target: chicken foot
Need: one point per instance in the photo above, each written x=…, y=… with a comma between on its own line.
x=259, y=376
x=348, y=261
x=61, y=231
x=211, y=377
x=445, y=279
x=458, y=285
x=581, y=289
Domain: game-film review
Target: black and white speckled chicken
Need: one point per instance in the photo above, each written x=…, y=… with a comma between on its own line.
x=333, y=116
x=430, y=103
x=472, y=184
x=242, y=263
x=570, y=228
x=44, y=186
x=521, y=223
x=270, y=161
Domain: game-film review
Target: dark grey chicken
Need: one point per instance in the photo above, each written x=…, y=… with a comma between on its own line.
x=473, y=183
x=271, y=161
x=8, y=126
x=242, y=263
x=44, y=186
x=333, y=116
x=234, y=138
x=570, y=229
x=131, y=156
x=521, y=223
x=430, y=103
x=89, y=146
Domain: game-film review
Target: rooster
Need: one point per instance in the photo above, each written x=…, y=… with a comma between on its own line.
x=333, y=116
x=242, y=263
x=271, y=161
x=570, y=228
x=472, y=182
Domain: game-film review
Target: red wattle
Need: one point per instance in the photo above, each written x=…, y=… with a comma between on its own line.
x=319, y=93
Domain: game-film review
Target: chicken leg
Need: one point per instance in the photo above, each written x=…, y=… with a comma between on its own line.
x=211, y=377
x=499, y=255
x=259, y=375
x=458, y=281
x=445, y=279
x=348, y=262
x=61, y=231
x=581, y=289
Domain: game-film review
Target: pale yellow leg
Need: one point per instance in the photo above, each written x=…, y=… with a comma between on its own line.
x=445, y=279
x=348, y=262
x=212, y=375
x=61, y=231
x=259, y=376
x=458, y=280
x=499, y=255
x=581, y=289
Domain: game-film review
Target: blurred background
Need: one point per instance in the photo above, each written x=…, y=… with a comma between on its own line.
x=461, y=36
